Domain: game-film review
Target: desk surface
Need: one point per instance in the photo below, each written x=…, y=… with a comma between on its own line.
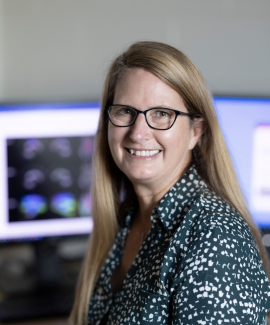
x=45, y=321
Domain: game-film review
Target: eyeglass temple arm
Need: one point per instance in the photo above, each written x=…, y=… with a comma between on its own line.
x=187, y=114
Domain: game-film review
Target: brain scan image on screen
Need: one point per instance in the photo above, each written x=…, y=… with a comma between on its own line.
x=32, y=178
x=64, y=204
x=31, y=148
x=62, y=176
x=85, y=205
x=12, y=172
x=49, y=178
x=12, y=203
x=85, y=149
x=84, y=178
x=61, y=147
x=32, y=205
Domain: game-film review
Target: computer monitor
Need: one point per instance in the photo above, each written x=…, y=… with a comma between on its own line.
x=45, y=169
x=46, y=157
x=246, y=126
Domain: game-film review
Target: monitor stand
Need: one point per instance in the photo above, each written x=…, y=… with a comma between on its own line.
x=48, y=264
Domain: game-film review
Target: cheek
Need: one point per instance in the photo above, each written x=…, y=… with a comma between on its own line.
x=177, y=140
x=115, y=139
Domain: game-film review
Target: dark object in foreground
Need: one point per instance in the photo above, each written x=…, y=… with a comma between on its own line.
x=39, y=304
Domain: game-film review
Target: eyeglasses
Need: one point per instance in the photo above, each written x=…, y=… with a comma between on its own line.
x=157, y=118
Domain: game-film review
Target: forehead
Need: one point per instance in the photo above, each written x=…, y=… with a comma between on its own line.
x=142, y=89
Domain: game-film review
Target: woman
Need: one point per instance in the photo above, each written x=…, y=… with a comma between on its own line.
x=172, y=240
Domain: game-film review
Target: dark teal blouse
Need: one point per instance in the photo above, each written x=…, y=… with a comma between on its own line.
x=198, y=265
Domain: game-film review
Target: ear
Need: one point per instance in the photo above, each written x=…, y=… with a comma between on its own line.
x=197, y=128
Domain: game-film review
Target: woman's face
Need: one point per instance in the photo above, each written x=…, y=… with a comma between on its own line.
x=143, y=90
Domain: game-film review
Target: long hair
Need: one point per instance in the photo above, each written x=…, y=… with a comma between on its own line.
x=210, y=156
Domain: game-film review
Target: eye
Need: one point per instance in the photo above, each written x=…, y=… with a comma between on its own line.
x=161, y=114
x=125, y=111
x=121, y=111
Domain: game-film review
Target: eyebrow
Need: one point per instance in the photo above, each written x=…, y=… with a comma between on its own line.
x=147, y=108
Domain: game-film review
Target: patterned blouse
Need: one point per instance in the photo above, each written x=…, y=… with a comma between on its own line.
x=198, y=265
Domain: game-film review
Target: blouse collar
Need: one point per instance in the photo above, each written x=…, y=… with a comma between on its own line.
x=176, y=202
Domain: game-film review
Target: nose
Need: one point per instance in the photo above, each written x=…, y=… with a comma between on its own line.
x=140, y=130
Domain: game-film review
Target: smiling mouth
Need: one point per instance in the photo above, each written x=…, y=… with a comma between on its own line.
x=146, y=153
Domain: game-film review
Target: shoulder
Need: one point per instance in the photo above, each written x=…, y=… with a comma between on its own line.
x=217, y=260
x=191, y=205
x=220, y=272
x=212, y=227
x=218, y=240
x=208, y=211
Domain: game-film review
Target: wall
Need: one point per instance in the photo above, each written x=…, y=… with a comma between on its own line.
x=59, y=49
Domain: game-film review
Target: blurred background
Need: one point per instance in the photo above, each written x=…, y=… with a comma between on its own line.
x=55, y=50
x=58, y=51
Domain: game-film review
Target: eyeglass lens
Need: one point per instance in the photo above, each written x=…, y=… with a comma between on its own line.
x=159, y=118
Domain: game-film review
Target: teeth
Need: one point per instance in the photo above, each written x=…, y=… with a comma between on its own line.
x=144, y=152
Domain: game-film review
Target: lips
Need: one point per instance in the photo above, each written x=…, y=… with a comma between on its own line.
x=144, y=153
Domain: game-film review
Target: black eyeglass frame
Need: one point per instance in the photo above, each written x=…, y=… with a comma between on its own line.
x=107, y=107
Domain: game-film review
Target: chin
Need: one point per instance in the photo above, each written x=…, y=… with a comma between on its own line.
x=140, y=177
x=136, y=174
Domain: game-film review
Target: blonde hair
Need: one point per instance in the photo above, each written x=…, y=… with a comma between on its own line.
x=210, y=156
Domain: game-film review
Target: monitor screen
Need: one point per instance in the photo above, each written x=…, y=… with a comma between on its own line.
x=246, y=126
x=45, y=169
x=46, y=157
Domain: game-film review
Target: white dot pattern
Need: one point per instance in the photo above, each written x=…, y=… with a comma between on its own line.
x=198, y=265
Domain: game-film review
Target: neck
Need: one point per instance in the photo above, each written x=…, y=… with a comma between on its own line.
x=150, y=193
